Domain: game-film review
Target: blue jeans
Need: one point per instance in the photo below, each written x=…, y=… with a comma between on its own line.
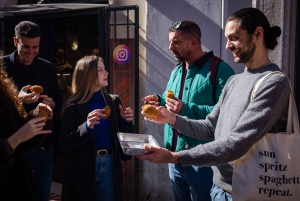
x=218, y=194
x=104, y=178
x=190, y=183
x=41, y=162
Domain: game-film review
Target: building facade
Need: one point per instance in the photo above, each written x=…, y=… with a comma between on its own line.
x=156, y=61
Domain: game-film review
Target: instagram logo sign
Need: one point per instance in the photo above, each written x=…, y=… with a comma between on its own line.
x=122, y=54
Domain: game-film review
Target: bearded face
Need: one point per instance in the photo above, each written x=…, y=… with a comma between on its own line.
x=179, y=45
x=245, y=52
x=182, y=56
x=239, y=42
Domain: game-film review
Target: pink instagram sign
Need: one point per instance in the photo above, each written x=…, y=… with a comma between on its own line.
x=122, y=54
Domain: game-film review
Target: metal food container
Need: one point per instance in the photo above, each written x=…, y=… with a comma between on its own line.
x=133, y=144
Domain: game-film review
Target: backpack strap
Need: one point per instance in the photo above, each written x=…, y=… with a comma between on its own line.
x=213, y=69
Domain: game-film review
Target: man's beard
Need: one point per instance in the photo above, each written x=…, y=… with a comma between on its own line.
x=247, y=51
x=182, y=57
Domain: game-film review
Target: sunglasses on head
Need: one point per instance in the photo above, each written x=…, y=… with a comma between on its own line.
x=178, y=26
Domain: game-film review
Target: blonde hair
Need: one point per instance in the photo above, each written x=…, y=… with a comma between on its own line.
x=84, y=79
x=8, y=87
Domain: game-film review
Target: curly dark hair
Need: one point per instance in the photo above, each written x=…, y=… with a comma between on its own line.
x=8, y=87
x=250, y=19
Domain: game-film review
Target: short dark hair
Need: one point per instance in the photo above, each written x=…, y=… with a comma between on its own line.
x=27, y=29
x=188, y=27
x=251, y=18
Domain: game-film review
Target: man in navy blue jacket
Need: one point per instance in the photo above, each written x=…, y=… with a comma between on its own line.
x=27, y=69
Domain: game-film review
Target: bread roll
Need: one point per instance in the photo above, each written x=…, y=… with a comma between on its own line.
x=170, y=94
x=42, y=114
x=106, y=112
x=150, y=111
x=37, y=89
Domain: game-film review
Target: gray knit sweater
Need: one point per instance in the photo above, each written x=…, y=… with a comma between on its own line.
x=236, y=123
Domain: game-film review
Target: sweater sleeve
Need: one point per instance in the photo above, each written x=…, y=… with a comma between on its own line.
x=268, y=105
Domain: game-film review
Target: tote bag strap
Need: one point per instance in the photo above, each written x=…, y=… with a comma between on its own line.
x=255, y=87
x=293, y=120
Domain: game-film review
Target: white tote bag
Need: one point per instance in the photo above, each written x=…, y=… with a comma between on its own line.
x=270, y=170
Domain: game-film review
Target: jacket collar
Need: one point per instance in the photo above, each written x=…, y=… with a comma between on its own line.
x=200, y=62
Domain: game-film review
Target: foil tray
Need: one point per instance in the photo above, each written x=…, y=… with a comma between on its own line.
x=133, y=144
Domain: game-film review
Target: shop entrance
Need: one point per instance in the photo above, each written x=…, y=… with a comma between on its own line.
x=121, y=58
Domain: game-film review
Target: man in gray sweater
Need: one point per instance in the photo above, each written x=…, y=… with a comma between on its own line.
x=236, y=123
